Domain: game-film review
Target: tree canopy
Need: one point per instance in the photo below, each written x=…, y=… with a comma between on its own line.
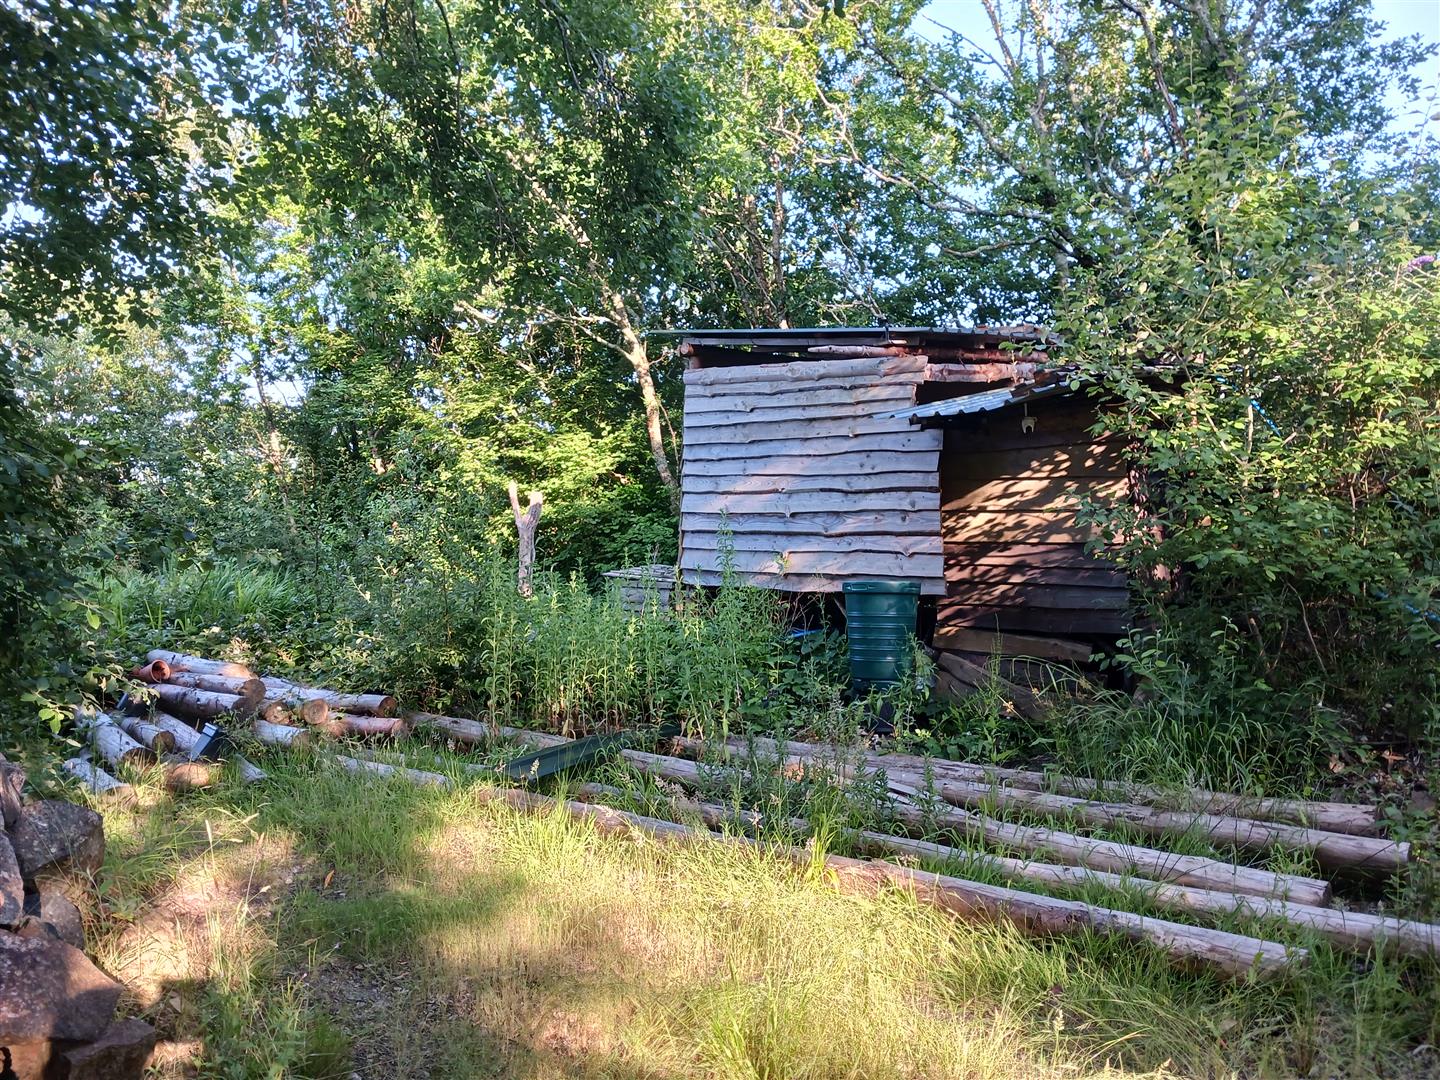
x=356, y=267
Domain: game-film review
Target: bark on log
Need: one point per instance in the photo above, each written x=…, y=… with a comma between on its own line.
x=200, y=704
x=370, y=704
x=402, y=772
x=147, y=733
x=187, y=741
x=96, y=780
x=1356, y=819
x=186, y=662
x=1104, y=855
x=250, y=691
x=384, y=726
x=110, y=743
x=280, y=734
x=153, y=672
x=1347, y=929
x=478, y=733
x=1234, y=955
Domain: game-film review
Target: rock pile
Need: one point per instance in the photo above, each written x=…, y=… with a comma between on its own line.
x=57, y=1009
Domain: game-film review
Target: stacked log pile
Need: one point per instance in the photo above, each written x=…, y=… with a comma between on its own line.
x=927, y=797
x=57, y=1009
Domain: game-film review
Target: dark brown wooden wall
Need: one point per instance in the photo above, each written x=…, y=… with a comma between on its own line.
x=1015, y=558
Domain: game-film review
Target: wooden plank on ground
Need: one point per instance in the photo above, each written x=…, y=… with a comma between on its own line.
x=762, y=483
x=865, y=463
x=871, y=395
x=1027, y=527
x=838, y=429
x=854, y=564
x=780, y=543
x=968, y=639
x=1029, y=494
x=843, y=523
x=809, y=502
x=818, y=447
x=807, y=582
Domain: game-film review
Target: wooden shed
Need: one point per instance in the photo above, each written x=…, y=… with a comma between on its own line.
x=956, y=458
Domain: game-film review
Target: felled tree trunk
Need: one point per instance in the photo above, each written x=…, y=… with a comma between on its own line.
x=250, y=691
x=200, y=704
x=186, y=662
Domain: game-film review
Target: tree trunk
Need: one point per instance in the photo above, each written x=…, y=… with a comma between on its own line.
x=633, y=346
x=526, y=522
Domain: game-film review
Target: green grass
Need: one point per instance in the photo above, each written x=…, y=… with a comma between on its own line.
x=328, y=924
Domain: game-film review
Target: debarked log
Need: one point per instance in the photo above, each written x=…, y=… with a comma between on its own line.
x=96, y=780
x=1358, y=819
x=1347, y=929
x=1103, y=855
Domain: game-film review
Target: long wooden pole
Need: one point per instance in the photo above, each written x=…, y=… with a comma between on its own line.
x=1102, y=855
x=1332, y=850
x=1234, y=955
x=1105, y=855
x=1357, y=819
x=1347, y=929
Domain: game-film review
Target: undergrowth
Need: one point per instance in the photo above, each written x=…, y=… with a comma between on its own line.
x=394, y=930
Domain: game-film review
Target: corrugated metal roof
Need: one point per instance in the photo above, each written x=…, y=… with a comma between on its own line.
x=985, y=401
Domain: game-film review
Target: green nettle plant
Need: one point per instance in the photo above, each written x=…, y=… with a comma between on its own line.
x=1270, y=346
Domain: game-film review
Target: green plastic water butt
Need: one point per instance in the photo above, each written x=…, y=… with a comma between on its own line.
x=879, y=620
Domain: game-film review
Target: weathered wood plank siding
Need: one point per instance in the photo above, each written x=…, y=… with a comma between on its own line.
x=1015, y=556
x=814, y=486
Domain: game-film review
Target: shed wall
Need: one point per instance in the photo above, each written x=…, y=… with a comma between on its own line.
x=813, y=483
x=1015, y=556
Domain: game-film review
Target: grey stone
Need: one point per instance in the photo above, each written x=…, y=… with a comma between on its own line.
x=49, y=990
x=12, y=885
x=51, y=914
x=12, y=780
x=51, y=833
x=119, y=1054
